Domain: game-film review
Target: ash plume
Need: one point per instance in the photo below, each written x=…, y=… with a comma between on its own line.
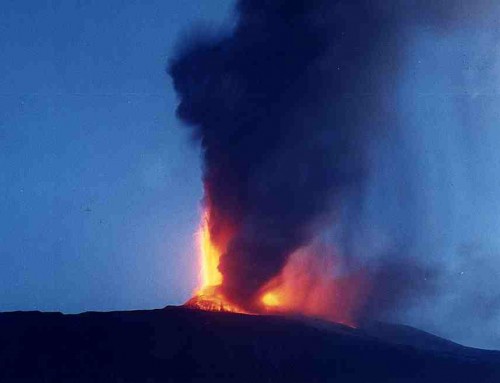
x=288, y=108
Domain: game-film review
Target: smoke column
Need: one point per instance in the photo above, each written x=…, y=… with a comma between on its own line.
x=299, y=111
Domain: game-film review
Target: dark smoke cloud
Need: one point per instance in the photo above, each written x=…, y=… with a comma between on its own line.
x=286, y=108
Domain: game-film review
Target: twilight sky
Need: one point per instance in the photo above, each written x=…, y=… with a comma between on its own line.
x=100, y=185
x=100, y=188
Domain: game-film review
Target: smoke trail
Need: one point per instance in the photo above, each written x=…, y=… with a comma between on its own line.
x=434, y=188
x=288, y=108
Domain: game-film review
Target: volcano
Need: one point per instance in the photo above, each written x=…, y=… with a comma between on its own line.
x=182, y=344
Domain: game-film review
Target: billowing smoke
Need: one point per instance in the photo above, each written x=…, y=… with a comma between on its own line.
x=291, y=108
x=281, y=109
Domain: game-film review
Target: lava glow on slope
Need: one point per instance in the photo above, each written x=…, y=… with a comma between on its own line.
x=307, y=285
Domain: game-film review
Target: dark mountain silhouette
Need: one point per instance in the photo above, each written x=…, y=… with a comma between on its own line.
x=178, y=344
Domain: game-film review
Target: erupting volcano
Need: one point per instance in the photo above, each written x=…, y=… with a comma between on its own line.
x=349, y=192
x=305, y=285
x=289, y=108
x=208, y=295
x=279, y=155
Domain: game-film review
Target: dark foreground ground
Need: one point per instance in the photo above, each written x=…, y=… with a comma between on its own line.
x=182, y=345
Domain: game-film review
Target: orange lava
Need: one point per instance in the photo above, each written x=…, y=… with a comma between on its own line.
x=209, y=257
x=208, y=295
x=307, y=285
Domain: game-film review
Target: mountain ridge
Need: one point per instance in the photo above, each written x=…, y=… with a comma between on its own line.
x=178, y=344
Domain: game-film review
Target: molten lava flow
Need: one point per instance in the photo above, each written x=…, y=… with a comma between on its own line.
x=208, y=295
x=307, y=285
x=271, y=299
x=210, y=258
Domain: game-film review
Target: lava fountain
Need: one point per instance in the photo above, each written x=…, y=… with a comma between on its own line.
x=307, y=284
x=208, y=295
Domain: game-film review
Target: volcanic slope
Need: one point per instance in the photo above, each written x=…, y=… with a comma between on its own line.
x=178, y=344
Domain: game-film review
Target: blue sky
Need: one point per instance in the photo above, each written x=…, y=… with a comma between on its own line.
x=100, y=185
